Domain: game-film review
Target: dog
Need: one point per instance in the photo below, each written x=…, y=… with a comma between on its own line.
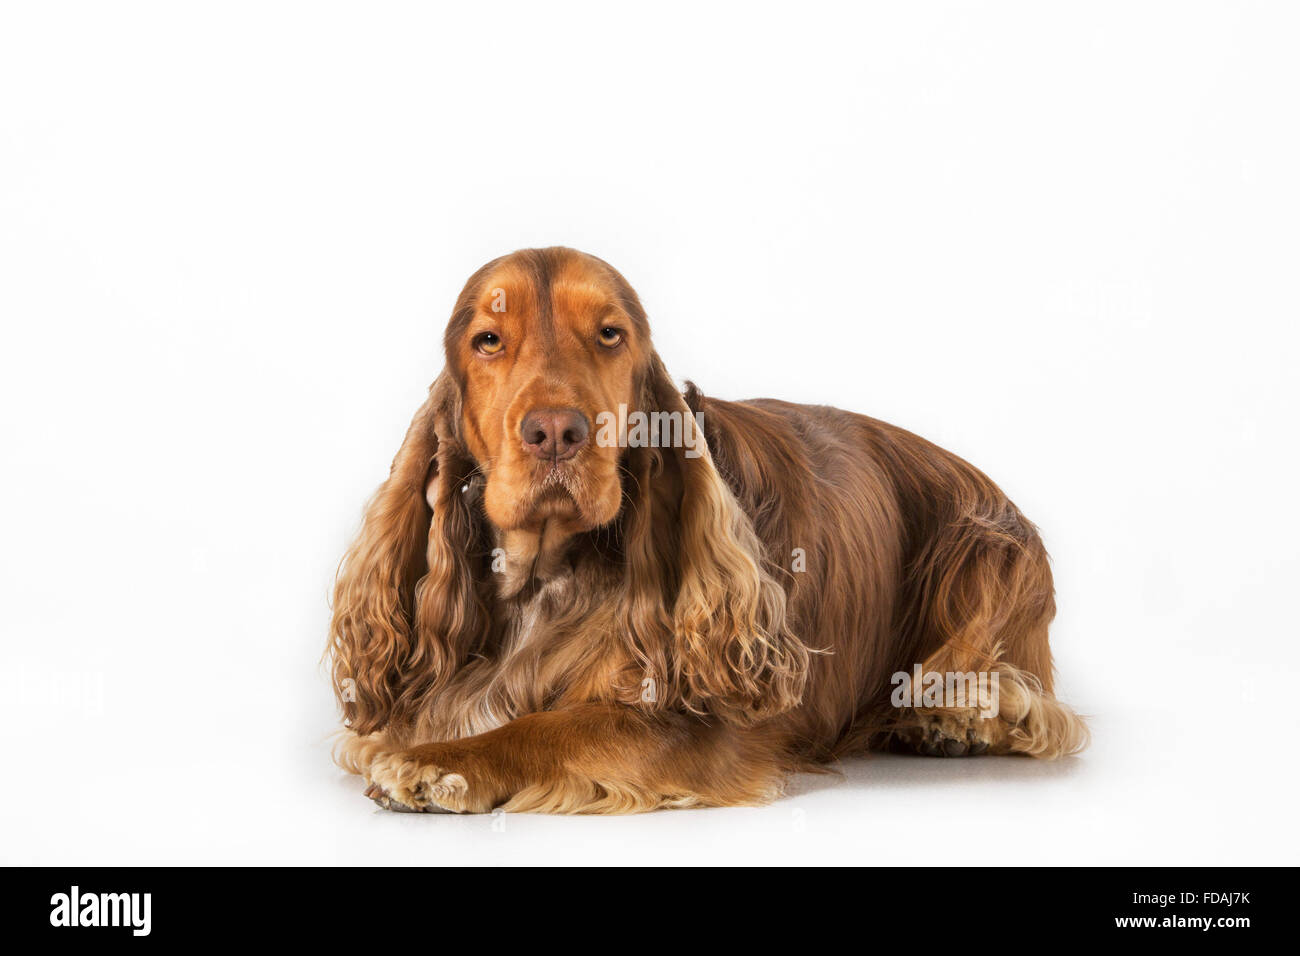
x=551, y=608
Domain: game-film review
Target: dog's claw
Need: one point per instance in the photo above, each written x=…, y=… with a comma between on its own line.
x=382, y=800
x=396, y=807
x=934, y=742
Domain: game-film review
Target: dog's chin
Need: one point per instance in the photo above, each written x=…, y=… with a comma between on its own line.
x=554, y=500
x=559, y=496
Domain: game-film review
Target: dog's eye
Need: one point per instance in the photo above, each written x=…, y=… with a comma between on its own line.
x=489, y=343
x=610, y=336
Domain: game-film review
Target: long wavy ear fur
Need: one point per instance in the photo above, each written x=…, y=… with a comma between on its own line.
x=696, y=572
x=406, y=610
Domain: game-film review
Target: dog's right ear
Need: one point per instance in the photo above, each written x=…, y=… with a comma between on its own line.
x=406, y=608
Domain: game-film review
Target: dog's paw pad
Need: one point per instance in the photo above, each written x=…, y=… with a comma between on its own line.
x=938, y=737
x=383, y=799
x=955, y=748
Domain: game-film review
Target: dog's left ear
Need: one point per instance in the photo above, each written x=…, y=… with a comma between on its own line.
x=732, y=654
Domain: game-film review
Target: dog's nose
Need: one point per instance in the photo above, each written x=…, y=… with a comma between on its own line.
x=554, y=434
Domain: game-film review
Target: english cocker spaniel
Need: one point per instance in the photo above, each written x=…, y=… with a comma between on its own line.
x=581, y=590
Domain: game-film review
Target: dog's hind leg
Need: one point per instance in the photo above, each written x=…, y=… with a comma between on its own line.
x=986, y=603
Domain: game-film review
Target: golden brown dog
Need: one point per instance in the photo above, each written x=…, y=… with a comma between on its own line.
x=583, y=591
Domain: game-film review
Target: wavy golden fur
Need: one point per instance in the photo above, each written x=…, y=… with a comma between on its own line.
x=534, y=619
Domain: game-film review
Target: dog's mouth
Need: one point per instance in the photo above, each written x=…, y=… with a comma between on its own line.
x=554, y=491
x=534, y=492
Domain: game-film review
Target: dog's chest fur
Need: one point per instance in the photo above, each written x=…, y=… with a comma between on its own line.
x=537, y=650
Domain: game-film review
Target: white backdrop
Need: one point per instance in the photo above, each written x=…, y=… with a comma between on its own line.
x=1060, y=243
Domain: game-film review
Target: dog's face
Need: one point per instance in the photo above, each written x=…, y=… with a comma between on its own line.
x=543, y=343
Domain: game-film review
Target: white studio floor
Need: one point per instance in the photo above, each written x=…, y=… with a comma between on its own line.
x=1154, y=788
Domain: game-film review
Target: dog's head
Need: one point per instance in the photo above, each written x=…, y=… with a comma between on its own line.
x=554, y=418
x=545, y=347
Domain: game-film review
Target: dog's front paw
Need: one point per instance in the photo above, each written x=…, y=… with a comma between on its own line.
x=412, y=782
